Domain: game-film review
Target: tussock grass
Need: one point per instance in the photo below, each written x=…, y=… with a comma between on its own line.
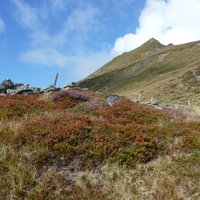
x=170, y=177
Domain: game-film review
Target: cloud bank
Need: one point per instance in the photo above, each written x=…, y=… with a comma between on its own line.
x=169, y=21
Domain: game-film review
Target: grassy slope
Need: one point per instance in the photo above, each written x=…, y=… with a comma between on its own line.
x=72, y=145
x=168, y=73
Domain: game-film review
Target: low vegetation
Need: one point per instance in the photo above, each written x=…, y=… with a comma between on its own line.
x=73, y=145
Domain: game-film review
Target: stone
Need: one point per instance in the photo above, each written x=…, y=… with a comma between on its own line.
x=36, y=90
x=8, y=84
x=178, y=106
x=8, y=87
x=10, y=91
x=147, y=102
x=27, y=91
x=155, y=103
x=18, y=84
x=113, y=99
x=22, y=88
x=71, y=85
x=2, y=89
x=51, y=88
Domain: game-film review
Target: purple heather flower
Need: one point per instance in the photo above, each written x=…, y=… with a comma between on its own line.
x=75, y=94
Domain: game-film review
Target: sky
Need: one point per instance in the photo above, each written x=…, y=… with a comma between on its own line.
x=76, y=37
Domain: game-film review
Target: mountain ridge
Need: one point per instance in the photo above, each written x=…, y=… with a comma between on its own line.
x=149, y=47
x=168, y=73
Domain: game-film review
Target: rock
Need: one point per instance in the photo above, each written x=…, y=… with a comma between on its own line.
x=178, y=106
x=18, y=84
x=6, y=84
x=166, y=105
x=66, y=88
x=147, y=102
x=36, y=90
x=113, y=99
x=51, y=88
x=155, y=103
x=8, y=87
x=21, y=89
x=71, y=85
x=2, y=90
x=10, y=91
x=28, y=91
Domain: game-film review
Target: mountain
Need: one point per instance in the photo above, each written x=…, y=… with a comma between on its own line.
x=168, y=73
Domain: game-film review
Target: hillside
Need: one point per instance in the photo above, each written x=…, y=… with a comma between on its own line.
x=73, y=145
x=167, y=73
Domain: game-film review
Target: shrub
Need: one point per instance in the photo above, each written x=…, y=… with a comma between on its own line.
x=16, y=106
x=74, y=94
x=126, y=112
x=95, y=139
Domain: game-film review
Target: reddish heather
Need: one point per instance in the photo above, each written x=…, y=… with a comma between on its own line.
x=125, y=132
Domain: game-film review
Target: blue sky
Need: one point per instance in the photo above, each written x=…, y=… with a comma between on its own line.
x=76, y=37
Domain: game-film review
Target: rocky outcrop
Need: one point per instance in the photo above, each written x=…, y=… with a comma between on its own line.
x=11, y=88
x=6, y=84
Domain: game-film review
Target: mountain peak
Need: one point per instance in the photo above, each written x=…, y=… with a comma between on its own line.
x=152, y=45
x=153, y=42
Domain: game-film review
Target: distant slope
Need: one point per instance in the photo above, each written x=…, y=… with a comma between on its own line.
x=168, y=73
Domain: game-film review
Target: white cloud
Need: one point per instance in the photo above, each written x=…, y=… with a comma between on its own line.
x=26, y=15
x=82, y=19
x=80, y=65
x=2, y=25
x=45, y=56
x=65, y=47
x=169, y=21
